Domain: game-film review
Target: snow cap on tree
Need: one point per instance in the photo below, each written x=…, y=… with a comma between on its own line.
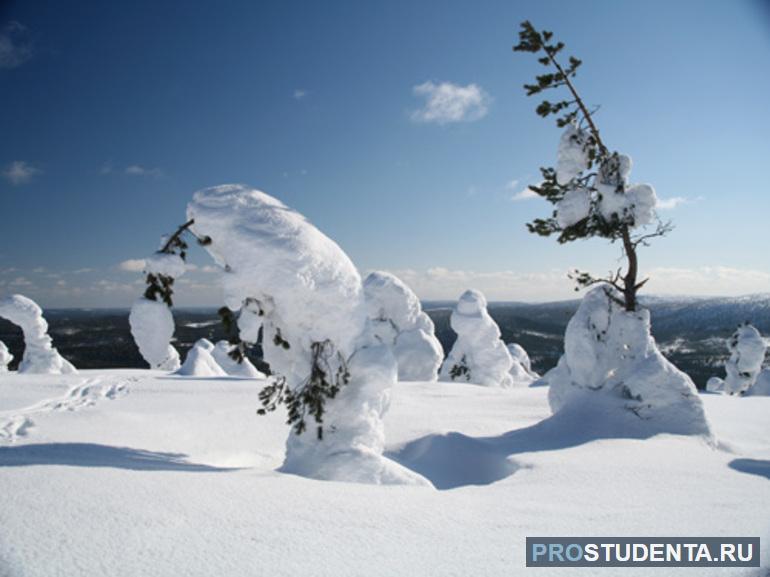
x=747, y=353
x=39, y=354
x=478, y=355
x=398, y=321
x=5, y=357
x=152, y=326
x=611, y=365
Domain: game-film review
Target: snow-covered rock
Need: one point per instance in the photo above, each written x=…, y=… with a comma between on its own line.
x=302, y=290
x=478, y=355
x=39, y=354
x=152, y=326
x=612, y=364
x=5, y=357
x=572, y=157
x=399, y=322
x=221, y=353
x=747, y=352
x=521, y=368
x=200, y=362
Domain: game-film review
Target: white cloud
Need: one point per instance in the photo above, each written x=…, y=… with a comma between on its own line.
x=299, y=93
x=20, y=172
x=139, y=170
x=132, y=265
x=15, y=50
x=675, y=201
x=707, y=281
x=447, y=102
x=524, y=194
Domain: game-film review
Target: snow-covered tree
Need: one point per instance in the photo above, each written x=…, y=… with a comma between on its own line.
x=398, y=320
x=761, y=387
x=521, y=368
x=747, y=353
x=589, y=187
x=296, y=288
x=39, y=354
x=5, y=357
x=611, y=361
x=478, y=355
x=200, y=362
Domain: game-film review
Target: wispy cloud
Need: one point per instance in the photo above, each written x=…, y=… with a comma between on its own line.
x=524, y=193
x=299, y=94
x=15, y=47
x=139, y=170
x=132, y=265
x=20, y=172
x=447, y=103
x=675, y=201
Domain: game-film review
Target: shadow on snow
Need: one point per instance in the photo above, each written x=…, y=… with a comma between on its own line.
x=94, y=455
x=751, y=466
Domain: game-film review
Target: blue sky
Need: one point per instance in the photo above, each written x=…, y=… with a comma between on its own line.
x=113, y=113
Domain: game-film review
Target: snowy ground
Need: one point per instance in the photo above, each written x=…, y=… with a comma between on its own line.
x=135, y=473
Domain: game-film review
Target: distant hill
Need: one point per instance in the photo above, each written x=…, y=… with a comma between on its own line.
x=689, y=330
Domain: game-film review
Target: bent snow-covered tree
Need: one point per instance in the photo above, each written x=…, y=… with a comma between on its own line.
x=747, y=353
x=398, y=320
x=478, y=355
x=296, y=288
x=610, y=357
x=39, y=354
x=589, y=186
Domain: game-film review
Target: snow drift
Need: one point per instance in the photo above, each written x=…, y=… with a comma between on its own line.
x=611, y=363
x=399, y=322
x=298, y=287
x=478, y=355
x=39, y=354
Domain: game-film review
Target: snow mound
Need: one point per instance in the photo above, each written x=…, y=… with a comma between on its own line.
x=152, y=327
x=296, y=284
x=521, y=369
x=39, y=354
x=572, y=157
x=611, y=362
x=398, y=321
x=747, y=352
x=5, y=358
x=478, y=355
x=221, y=353
x=200, y=362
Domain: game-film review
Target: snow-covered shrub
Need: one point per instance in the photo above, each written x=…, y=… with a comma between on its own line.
x=399, y=322
x=747, y=352
x=223, y=355
x=291, y=281
x=611, y=363
x=152, y=327
x=200, y=362
x=761, y=387
x=5, y=358
x=39, y=354
x=478, y=355
x=152, y=324
x=521, y=368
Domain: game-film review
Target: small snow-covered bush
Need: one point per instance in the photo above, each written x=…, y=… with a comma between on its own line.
x=5, y=357
x=747, y=352
x=611, y=363
x=297, y=288
x=478, y=355
x=399, y=322
x=521, y=368
x=223, y=355
x=200, y=362
x=39, y=354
